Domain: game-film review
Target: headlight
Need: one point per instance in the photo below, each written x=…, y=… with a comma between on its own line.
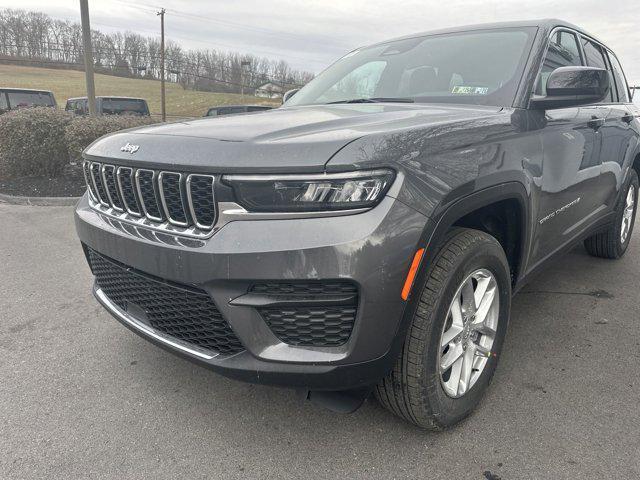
x=295, y=193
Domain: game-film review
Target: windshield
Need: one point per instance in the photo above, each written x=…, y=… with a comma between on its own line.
x=30, y=99
x=124, y=106
x=478, y=67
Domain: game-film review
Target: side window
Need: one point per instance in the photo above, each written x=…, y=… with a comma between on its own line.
x=563, y=51
x=3, y=102
x=621, y=82
x=595, y=58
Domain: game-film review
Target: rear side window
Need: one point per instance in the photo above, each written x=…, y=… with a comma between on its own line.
x=30, y=99
x=621, y=82
x=563, y=51
x=122, y=106
x=595, y=58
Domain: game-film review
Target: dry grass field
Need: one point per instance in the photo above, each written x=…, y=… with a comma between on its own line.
x=70, y=83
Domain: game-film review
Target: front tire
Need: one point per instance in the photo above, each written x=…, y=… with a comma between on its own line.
x=613, y=242
x=456, y=334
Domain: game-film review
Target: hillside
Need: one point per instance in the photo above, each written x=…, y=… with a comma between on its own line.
x=70, y=83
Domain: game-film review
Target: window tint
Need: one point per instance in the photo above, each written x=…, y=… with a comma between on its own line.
x=563, y=52
x=231, y=110
x=596, y=58
x=30, y=99
x=123, y=106
x=621, y=83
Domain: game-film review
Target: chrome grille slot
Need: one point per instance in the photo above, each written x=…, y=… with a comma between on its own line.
x=128, y=191
x=98, y=185
x=171, y=196
x=201, y=200
x=109, y=179
x=147, y=193
x=87, y=178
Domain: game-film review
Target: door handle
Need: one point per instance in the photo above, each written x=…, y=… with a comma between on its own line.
x=595, y=122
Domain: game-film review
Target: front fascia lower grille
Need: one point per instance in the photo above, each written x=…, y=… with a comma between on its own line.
x=164, y=200
x=181, y=312
x=312, y=314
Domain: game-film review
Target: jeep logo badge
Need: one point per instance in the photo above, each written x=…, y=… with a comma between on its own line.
x=128, y=148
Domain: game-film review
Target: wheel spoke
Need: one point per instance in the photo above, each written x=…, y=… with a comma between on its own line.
x=482, y=351
x=468, y=298
x=450, y=334
x=456, y=312
x=449, y=358
x=467, y=369
x=454, y=378
x=486, y=302
x=483, y=329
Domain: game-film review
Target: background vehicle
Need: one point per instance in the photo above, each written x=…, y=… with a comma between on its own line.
x=14, y=98
x=110, y=106
x=233, y=109
x=370, y=233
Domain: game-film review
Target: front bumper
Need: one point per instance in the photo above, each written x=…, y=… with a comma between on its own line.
x=372, y=249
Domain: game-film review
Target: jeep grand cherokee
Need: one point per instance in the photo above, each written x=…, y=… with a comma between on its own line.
x=369, y=235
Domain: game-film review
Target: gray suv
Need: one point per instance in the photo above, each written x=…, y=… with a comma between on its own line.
x=368, y=236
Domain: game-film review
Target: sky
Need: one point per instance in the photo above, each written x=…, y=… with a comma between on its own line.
x=311, y=34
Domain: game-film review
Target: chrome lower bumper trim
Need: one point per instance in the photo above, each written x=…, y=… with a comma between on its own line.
x=146, y=329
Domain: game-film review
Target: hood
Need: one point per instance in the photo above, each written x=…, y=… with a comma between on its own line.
x=296, y=139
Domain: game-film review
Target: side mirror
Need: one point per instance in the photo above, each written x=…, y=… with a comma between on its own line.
x=572, y=86
x=289, y=94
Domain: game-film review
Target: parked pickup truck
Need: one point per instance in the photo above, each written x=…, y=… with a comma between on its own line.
x=368, y=236
x=110, y=106
x=16, y=98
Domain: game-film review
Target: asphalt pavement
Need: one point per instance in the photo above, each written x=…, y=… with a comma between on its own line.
x=83, y=397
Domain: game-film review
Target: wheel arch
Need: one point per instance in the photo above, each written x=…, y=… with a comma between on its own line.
x=460, y=212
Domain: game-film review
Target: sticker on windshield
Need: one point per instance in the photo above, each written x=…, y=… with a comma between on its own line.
x=460, y=90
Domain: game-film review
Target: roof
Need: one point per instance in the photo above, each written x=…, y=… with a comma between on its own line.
x=11, y=89
x=545, y=23
x=108, y=96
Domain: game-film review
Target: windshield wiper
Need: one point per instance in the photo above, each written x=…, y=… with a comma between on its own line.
x=376, y=100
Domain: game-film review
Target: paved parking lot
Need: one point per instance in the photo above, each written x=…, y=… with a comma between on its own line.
x=82, y=397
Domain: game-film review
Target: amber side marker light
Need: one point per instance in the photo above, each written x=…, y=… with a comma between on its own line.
x=411, y=276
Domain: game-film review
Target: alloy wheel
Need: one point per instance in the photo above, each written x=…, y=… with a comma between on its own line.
x=469, y=332
x=627, y=215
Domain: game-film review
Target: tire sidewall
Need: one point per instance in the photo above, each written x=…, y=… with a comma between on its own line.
x=489, y=256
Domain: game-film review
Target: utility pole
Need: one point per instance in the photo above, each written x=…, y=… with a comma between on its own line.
x=162, y=94
x=244, y=63
x=88, y=57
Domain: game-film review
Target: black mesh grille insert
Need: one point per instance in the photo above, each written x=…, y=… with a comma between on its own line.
x=97, y=178
x=173, y=197
x=128, y=190
x=110, y=180
x=183, y=312
x=148, y=193
x=311, y=326
x=201, y=189
x=315, y=324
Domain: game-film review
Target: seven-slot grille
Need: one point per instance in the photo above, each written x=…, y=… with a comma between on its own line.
x=162, y=197
x=180, y=311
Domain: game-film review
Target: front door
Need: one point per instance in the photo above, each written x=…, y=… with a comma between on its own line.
x=570, y=178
